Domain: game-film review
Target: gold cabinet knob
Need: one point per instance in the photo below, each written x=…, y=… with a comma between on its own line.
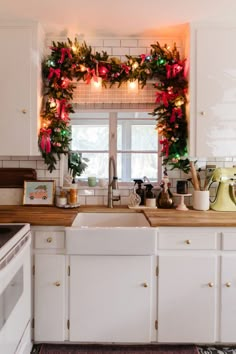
x=24, y=111
x=57, y=283
x=145, y=285
x=49, y=239
x=210, y=284
x=202, y=113
x=228, y=284
x=188, y=242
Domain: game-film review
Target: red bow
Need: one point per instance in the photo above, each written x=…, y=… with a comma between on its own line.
x=125, y=68
x=56, y=72
x=45, y=140
x=176, y=111
x=64, y=51
x=90, y=74
x=164, y=97
x=165, y=147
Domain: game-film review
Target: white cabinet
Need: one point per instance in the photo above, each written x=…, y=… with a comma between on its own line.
x=187, y=298
x=49, y=305
x=20, y=88
x=228, y=287
x=49, y=298
x=111, y=298
x=212, y=91
x=187, y=285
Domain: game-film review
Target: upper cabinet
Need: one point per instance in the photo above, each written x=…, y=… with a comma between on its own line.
x=20, y=72
x=212, y=91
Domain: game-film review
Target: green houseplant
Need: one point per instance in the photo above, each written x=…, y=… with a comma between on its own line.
x=76, y=164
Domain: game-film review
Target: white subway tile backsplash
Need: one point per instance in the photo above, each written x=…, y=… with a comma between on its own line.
x=120, y=51
x=11, y=164
x=129, y=43
x=28, y=164
x=112, y=43
x=94, y=200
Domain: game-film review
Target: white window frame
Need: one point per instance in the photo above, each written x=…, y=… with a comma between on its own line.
x=112, y=117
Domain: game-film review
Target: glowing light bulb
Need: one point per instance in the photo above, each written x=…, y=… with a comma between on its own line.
x=96, y=84
x=133, y=86
x=135, y=65
x=82, y=68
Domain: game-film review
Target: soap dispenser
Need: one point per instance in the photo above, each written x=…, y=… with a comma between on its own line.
x=150, y=199
x=139, y=190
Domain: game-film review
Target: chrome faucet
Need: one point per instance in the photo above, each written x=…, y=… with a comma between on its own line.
x=112, y=183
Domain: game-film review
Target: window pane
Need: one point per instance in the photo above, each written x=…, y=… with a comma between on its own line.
x=90, y=137
x=97, y=165
x=137, y=165
x=136, y=136
x=143, y=137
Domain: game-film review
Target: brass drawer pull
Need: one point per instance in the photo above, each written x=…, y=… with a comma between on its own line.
x=210, y=284
x=49, y=239
x=145, y=285
x=228, y=284
x=188, y=242
x=57, y=283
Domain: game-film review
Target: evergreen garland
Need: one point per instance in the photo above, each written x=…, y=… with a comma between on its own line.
x=72, y=60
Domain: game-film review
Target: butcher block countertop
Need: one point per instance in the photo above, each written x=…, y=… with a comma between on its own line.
x=53, y=216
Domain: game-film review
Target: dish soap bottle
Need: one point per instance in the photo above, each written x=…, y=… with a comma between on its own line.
x=150, y=200
x=165, y=197
x=139, y=190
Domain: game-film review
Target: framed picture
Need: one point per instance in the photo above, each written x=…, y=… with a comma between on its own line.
x=39, y=192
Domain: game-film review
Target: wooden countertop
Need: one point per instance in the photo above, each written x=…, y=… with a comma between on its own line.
x=172, y=217
x=53, y=216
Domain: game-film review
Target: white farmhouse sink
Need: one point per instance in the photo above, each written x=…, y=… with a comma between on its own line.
x=110, y=219
x=110, y=233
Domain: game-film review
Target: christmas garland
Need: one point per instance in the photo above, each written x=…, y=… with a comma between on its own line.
x=72, y=60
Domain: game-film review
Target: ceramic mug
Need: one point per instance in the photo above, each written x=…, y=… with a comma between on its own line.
x=201, y=200
x=92, y=181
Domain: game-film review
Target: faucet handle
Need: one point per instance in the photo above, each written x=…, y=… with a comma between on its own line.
x=115, y=182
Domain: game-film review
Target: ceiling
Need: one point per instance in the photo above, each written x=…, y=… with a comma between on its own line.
x=108, y=18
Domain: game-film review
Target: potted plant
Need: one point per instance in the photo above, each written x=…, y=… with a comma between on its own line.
x=76, y=164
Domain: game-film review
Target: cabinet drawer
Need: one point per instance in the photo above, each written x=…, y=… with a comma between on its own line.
x=229, y=241
x=187, y=239
x=49, y=239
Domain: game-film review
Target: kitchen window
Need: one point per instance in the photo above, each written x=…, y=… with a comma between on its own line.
x=128, y=136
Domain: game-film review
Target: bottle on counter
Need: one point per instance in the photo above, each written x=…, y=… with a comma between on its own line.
x=150, y=198
x=73, y=194
x=165, y=197
x=139, y=189
x=61, y=199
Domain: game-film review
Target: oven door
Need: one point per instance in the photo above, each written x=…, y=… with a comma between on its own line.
x=15, y=296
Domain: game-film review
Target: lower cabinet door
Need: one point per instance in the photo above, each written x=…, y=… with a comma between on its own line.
x=228, y=299
x=187, y=299
x=49, y=298
x=110, y=298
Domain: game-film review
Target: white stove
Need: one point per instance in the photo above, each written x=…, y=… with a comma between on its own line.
x=15, y=288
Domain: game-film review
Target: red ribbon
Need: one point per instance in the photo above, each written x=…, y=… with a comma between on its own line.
x=64, y=51
x=90, y=74
x=164, y=97
x=56, y=72
x=125, y=68
x=62, y=109
x=165, y=147
x=173, y=70
x=176, y=111
x=143, y=57
x=45, y=143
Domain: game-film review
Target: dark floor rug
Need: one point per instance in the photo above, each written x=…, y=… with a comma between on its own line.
x=113, y=349
x=130, y=349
